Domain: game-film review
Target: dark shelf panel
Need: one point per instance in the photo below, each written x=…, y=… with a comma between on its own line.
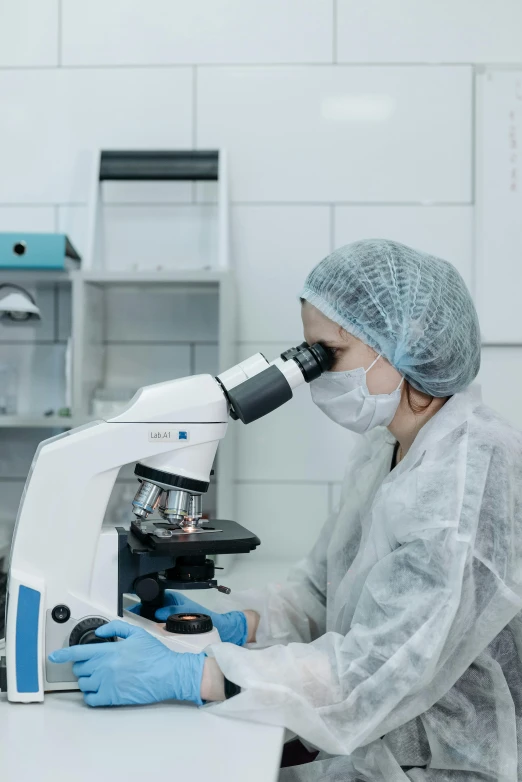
x=147, y=165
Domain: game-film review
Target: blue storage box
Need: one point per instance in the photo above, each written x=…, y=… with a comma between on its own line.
x=37, y=251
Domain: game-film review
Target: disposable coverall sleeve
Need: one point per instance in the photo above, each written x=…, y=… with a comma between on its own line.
x=340, y=692
x=295, y=609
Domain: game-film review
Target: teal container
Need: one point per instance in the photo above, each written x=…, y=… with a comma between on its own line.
x=37, y=251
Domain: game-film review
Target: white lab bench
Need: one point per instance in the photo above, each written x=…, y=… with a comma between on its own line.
x=62, y=739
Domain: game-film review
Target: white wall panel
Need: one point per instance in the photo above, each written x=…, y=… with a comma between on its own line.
x=149, y=313
x=241, y=572
x=501, y=380
x=287, y=519
x=153, y=32
x=341, y=133
x=35, y=219
x=444, y=31
x=206, y=360
x=274, y=247
x=147, y=192
x=297, y=442
x=148, y=237
x=131, y=366
x=206, y=192
x=52, y=119
x=28, y=33
x=444, y=231
x=160, y=237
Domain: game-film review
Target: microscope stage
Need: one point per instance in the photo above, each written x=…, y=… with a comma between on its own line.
x=218, y=536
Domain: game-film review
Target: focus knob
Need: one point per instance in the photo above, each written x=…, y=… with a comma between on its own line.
x=83, y=633
x=189, y=624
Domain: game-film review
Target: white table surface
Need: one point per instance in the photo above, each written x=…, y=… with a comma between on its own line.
x=62, y=740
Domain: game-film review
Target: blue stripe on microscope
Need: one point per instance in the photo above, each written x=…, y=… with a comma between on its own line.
x=27, y=639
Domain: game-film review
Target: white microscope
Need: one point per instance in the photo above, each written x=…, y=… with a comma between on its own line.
x=68, y=574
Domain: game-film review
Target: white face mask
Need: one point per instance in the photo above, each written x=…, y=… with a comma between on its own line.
x=344, y=397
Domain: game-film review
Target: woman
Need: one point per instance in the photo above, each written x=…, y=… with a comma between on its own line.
x=395, y=647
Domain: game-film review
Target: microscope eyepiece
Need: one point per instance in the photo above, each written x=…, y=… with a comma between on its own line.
x=253, y=391
x=313, y=360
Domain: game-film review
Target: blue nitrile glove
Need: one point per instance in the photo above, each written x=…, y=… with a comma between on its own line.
x=138, y=670
x=232, y=627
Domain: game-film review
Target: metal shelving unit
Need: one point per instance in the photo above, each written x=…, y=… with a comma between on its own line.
x=90, y=287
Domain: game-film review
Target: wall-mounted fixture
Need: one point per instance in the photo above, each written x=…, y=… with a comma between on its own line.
x=18, y=307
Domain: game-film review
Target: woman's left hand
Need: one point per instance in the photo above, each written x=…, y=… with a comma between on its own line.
x=140, y=669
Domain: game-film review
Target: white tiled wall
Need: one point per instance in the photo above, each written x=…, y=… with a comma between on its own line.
x=27, y=218
x=161, y=32
x=274, y=247
x=342, y=119
x=500, y=377
x=52, y=117
x=287, y=517
x=338, y=133
x=408, y=31
x=29, y=33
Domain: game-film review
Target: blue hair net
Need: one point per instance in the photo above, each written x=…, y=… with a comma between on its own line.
x=413, y=308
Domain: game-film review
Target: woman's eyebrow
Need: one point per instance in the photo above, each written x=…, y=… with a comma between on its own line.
x=330, y=343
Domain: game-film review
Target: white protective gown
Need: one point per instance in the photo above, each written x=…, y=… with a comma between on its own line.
x=398, y=641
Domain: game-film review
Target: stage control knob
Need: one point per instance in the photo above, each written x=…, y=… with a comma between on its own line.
x=189, y=624
x=83, y=633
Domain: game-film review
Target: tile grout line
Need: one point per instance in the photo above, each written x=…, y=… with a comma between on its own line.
x=188, y=65
x=113, y=343
x=59, y=42
x=161, y=342
x=278, y=482
x=473, y=135
x=334, y=32
x=474, y=268
x=32, y=342
x=194, y=106
x=141, y=204
x=280, y=342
